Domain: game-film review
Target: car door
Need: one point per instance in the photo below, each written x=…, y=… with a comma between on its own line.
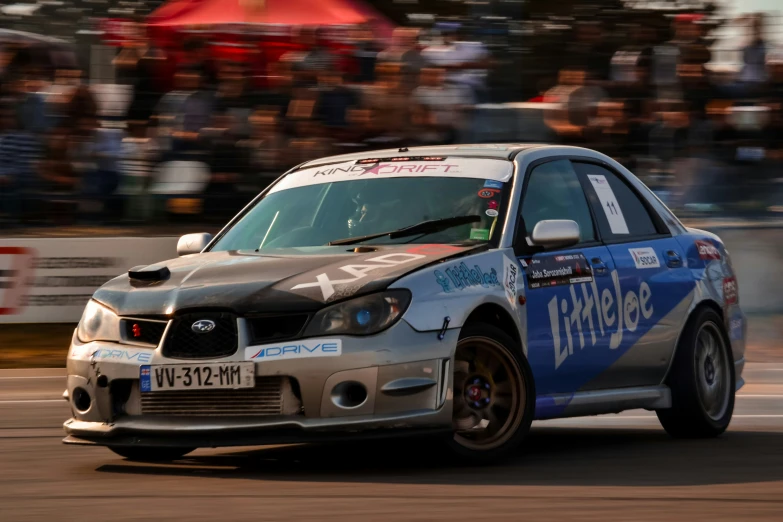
x=569, y=291
x=650, y=278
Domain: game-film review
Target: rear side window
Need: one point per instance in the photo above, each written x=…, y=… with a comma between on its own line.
x=554, y=192
x=619, y=212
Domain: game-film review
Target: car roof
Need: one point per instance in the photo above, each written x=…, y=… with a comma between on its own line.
x=505, y=151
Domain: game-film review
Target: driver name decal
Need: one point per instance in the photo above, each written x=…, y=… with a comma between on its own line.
x=547, y=271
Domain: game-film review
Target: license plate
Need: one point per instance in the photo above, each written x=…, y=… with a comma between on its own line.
x=210, y=376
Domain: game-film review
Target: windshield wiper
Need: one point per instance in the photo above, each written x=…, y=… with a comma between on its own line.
x=425, y=227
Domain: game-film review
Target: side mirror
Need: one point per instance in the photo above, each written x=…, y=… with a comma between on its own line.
x=554, y=233
x=193, y=243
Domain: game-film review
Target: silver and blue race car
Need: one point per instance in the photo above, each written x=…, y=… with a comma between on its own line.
x=455, y=292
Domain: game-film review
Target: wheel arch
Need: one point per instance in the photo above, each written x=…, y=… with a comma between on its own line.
x=710, y=304
x=498, y=316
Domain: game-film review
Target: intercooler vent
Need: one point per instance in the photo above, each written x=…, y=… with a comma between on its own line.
x=270, y=396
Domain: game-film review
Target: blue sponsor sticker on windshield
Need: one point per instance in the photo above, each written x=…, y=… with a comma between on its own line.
x=491, y=183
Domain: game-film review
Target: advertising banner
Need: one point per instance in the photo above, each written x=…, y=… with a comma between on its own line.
x=45, y=280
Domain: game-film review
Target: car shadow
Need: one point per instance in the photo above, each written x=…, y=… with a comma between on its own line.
x=551, y=456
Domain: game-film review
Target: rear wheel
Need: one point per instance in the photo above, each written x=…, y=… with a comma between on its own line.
x=702, y=380
x=147, y=454
x=494, y=395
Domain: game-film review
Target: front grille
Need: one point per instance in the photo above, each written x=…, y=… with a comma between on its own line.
x=266, y=398
x=183, y=342
x=141, y=331
x=269, y=328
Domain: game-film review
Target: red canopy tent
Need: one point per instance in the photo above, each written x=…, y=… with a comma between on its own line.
x=275, y=12
x=235, y=25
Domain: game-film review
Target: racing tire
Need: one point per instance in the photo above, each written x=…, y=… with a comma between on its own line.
x=493, y=383
x=147, y=454
x=701, y=380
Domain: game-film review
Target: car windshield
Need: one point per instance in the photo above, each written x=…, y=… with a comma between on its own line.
x=352, y=207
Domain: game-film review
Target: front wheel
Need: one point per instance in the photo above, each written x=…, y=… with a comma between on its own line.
x=150, y=454
x=494, y=395
x=702, y=380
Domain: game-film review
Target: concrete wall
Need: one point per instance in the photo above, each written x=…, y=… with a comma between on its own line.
x=757, y=254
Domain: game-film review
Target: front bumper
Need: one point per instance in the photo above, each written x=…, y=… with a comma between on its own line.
x=198, y=432
x=407, y=375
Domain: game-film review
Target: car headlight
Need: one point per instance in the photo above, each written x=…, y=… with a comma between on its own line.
x=364, y=315
x=98, y=323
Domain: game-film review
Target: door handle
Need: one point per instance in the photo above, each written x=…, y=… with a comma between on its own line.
x=673, y=259
x=599, y=267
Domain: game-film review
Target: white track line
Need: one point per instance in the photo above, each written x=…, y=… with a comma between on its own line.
x=647, y=417
x=33, y=377
x=33, y=401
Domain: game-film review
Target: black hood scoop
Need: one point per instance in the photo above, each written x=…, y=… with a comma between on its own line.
x=149, y=273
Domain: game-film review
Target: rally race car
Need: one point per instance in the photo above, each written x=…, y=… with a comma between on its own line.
x=455, y=292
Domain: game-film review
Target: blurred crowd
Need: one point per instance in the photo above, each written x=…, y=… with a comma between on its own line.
x=199, y=143
x=703, y=137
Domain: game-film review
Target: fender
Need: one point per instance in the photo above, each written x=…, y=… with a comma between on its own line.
x=455, y=288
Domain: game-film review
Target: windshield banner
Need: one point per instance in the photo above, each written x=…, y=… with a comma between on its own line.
x=478, y=168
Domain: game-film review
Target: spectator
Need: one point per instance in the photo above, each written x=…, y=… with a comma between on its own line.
x=234, y=100
x=464, y=59
x=440, y=107
x=334, y=101
x=389, y=106
x=20, y=152
x=83, y=155
x=753, y=74
x=229, y=164
x=279, y=93
x=139, y=154
x=60, y=182
x=678, y=57
x=266, y=149
x=588, y=52
x=198, y=58
x=141, y=66
x=182, y=114
x=404, y=50
x=364, y=50
x=775, y=74
x=311, y=60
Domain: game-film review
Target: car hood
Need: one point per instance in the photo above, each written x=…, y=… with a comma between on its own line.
x=252, y=282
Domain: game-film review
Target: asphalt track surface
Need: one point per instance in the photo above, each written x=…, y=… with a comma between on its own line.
x=618, y=467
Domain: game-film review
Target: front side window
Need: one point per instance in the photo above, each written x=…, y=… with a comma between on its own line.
x=315, y=214
x=554, y=192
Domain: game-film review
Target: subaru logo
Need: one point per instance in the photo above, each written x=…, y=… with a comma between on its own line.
x=203, y=326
